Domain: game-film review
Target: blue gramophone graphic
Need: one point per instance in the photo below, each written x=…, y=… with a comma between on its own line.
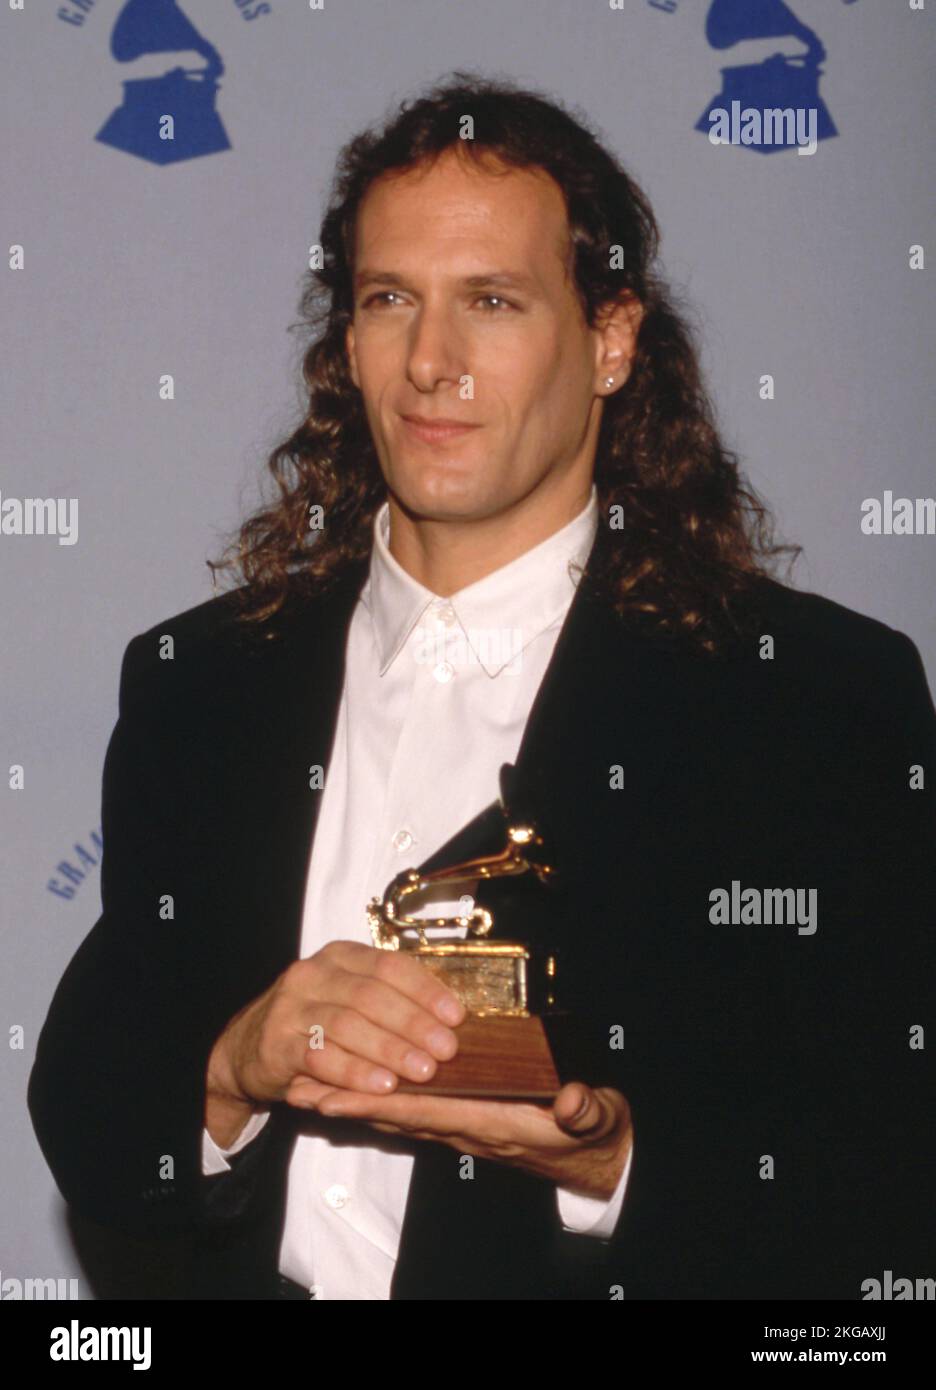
x=186, y=94
x=779, y=81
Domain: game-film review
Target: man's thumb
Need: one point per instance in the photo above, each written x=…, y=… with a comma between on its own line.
x=577, y=1109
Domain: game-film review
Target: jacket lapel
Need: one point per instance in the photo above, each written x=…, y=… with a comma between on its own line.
x=288, y=712
x=610, y=697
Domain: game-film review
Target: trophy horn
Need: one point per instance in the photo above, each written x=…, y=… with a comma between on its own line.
x=523, y=852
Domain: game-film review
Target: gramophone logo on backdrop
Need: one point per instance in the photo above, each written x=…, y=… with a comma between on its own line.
x=185, y=94
x=759, y=102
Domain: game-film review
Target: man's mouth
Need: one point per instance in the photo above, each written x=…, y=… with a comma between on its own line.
x=435, y=431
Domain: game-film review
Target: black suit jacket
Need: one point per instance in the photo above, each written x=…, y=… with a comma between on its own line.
x=739, y=1046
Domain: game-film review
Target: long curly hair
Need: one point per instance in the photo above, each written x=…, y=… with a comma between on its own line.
x=686, y=539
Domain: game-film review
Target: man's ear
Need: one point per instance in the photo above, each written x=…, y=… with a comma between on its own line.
x=352, y=360
x=618, y=326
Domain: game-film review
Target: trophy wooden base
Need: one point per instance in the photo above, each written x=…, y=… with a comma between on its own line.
x=499, y=1057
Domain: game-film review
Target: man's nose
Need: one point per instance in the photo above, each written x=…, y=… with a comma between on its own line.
x=435, y=351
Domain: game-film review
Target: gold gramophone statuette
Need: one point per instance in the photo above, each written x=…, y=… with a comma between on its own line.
x=503, y=1052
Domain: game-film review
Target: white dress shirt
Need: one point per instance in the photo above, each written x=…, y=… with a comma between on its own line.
x=436, y=696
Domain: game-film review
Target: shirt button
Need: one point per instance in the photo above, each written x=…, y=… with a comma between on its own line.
x=446, y=614
x=337, y=1196
x=444, y=672
x=402, y=840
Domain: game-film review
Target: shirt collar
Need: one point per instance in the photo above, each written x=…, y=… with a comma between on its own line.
x=523, y=597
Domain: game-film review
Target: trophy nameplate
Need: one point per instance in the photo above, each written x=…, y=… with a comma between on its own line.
x=505, y=985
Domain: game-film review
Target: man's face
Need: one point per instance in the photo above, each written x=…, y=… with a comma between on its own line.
x=433, y=306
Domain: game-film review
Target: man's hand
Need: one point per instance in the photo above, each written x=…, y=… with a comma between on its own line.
x=380, y=1016
x=383, y=1017
x=582, y=1143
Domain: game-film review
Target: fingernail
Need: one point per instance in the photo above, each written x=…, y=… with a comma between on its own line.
x=418, y=1065
x=581, y=1110
x=442, y=1043
x=381, y=1080
x=449, y=1009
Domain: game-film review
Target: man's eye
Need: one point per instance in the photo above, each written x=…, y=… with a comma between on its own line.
x=382, y=294
x=489, y=298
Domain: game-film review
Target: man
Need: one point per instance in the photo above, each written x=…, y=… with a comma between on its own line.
x=506, y=435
